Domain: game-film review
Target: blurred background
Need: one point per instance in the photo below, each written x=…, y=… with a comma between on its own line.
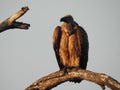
x=27, y=55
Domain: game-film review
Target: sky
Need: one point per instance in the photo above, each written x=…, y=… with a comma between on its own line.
x=27, y=55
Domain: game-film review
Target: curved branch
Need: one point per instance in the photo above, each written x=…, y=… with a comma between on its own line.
x=11, y=23
x=56, y=78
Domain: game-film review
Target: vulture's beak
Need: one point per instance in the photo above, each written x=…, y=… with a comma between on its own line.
x=62, y=19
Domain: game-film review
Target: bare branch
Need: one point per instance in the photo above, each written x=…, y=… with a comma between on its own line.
x=11, y=23
x=56, y=78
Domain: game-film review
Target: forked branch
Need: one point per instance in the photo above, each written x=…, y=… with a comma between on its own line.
x=56, y=78
x=11, y=22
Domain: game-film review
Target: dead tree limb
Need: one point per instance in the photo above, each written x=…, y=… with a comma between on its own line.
x=56, y=78
x=11, y=22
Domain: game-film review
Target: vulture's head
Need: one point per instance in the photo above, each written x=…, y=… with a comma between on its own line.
x=67, y=19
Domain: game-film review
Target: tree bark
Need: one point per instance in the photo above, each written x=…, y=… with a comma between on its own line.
x=11, y=23
x=56, y=78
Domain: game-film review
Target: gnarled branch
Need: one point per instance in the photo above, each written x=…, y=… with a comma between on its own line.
x=11, y=22
x=56, y=78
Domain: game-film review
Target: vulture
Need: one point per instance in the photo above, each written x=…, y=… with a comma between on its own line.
x=70, y=44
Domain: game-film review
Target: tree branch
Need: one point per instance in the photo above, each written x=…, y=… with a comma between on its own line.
x=11, y=23
x=56, y=78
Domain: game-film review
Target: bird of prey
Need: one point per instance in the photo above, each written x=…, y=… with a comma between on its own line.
x=70, y=43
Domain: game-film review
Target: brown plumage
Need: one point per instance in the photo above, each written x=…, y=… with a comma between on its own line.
x=70, y=43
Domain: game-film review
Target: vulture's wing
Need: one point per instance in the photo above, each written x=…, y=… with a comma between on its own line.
x=56, y=44
x=84, y=48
